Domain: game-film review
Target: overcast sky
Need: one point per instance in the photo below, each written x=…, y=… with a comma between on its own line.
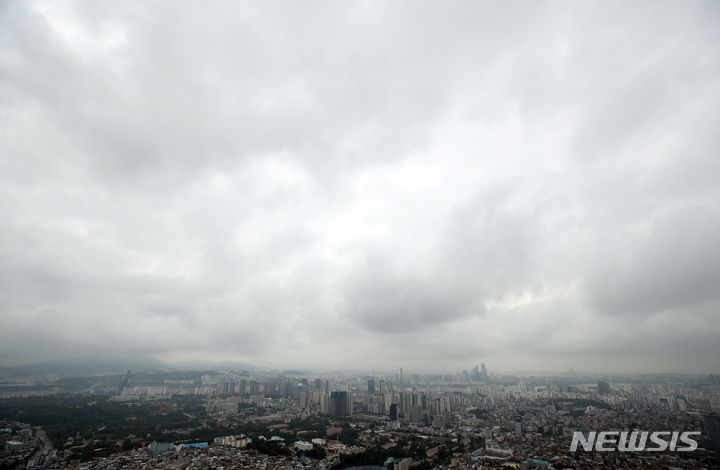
x=370, y=184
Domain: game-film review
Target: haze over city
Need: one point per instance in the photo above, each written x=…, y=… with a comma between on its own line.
x=363, y=185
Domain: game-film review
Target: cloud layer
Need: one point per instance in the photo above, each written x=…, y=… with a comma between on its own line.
x=375, y=184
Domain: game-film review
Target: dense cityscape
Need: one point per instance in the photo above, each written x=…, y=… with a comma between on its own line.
x=336, y=420
x=359, y=235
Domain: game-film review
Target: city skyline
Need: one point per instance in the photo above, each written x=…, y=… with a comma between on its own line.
x=419, y=185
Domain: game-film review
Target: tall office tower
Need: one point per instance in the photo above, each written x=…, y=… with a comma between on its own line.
x=475, y=374
x=603, y=388
x=340, y=403
x=401, y=377
x=406, y=402
x=483, y=372
x=382, y=386
x=318, y=384
x=393, y=412
x=371, y=386
x=416, y=415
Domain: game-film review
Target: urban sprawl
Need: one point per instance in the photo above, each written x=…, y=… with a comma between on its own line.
x=264, y=419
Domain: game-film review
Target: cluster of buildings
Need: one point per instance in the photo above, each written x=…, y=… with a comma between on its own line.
x=21, y=445
x=196, y=458
x=472, y=420
x=528, y=423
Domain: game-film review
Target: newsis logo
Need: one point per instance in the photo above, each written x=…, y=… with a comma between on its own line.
x=624, y=441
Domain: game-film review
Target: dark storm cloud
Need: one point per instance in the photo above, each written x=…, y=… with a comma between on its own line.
x=444, y=182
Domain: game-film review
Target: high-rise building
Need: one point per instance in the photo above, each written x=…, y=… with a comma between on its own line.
x=340, y=403
x=405, y=404
x=393, y=412
x=603, y=388
x=483, y=373
x=371, y=386
x=518, y=429
x=416, y=415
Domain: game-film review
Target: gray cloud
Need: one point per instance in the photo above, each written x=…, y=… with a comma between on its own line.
x=676, y=265
x=326, y=184
x=386, y=301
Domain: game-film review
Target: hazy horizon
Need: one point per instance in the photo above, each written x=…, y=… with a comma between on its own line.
x=532, y=185
x=91, y=365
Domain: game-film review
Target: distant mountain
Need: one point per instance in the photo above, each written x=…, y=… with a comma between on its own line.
x=89, y=365
x=108, y=364
x=209, y=365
